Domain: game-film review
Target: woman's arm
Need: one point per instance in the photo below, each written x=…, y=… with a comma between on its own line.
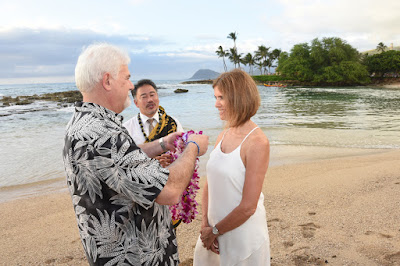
x=204, y=206
x=256, y=159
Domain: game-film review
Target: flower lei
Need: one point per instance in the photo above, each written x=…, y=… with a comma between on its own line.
x=186, y=209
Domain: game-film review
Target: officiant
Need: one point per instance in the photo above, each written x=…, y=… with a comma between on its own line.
x=152, y=122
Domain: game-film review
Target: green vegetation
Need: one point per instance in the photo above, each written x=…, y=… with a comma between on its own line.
x=268, y=78
x=326, y=62
x=385, y=64
x=222, y=53
x=330, y=61
x=381, y=47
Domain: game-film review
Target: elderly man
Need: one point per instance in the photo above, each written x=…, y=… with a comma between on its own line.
x=118, y=191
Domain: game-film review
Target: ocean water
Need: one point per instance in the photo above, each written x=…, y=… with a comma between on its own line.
x=359, y=118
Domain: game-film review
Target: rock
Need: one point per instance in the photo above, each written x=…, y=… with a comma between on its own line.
x=180, y=90
x=61, y=97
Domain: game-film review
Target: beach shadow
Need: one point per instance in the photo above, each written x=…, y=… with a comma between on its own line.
x=188, y=262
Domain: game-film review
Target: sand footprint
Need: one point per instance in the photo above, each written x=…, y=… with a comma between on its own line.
x=274, y=220
x=393, y=258
x=308, y=230
x=380, y=234
x=278, y=222
x=308, y=259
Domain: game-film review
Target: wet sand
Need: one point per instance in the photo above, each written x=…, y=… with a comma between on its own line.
x=340, y=210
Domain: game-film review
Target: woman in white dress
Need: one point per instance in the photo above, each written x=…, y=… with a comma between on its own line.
x=234, y=226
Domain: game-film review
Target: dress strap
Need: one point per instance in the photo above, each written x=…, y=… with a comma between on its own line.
x=223, y=136
x=248, y=135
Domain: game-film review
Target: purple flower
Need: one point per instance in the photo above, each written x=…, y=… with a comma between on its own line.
x=186, y=209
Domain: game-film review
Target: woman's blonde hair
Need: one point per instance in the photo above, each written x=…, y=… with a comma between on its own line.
x=241, y=94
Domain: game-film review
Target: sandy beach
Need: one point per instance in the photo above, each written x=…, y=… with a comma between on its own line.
x=334, y=211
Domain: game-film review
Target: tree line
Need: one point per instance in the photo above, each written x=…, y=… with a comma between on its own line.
x=329, y=61
x=263, y=58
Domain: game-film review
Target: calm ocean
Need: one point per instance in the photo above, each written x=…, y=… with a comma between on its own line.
x=359, y=118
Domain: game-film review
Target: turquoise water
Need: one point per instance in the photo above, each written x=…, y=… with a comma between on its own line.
x=358, y=117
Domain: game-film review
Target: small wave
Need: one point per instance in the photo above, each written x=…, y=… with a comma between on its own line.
x=335, y=145
x=68, y=109
x=33, y=107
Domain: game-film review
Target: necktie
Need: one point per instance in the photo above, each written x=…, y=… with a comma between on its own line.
x=150, y=121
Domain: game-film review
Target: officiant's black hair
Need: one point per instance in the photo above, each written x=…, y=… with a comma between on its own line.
x=141, y=83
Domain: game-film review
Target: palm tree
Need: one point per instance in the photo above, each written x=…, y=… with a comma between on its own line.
x=234, y=57
x=275, y=56
x=269, y=61
x=381, y=47
x=276, y=53
x=249, y=60
x=262, y=55
x=260, y=66
x=222, y=53
x=233, y=36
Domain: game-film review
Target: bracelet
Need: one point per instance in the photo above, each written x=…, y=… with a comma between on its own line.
x=162, y=144
x=198, y=148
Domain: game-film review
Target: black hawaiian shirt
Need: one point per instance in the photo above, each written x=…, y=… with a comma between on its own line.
x=113, y=185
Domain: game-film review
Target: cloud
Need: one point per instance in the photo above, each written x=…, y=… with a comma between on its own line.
x=39, y=52
x=362, y=23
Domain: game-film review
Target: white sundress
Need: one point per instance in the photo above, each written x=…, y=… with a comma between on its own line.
x=247, y=244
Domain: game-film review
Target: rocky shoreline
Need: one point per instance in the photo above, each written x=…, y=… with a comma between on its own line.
x=64, y=97
x=205, y=81
x=67, y=97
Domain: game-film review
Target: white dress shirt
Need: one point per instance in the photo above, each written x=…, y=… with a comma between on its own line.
x=133, y=127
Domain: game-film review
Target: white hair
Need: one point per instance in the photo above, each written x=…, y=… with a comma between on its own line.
x=96, y=60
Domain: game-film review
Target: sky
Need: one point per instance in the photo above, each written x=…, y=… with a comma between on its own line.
x=40, y=40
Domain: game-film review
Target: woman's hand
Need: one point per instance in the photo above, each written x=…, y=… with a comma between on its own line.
x=207, y=237
x=215, y=246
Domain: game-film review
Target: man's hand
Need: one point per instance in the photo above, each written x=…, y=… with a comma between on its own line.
x=202, y=141
x=164, y=159
x=169, y=140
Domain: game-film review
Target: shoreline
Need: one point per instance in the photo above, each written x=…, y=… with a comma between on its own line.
x=280, y=155
x=385, y=85
x=342, y=210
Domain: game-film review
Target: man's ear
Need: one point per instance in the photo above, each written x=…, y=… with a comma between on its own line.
x=107, y=81
x=136, y=102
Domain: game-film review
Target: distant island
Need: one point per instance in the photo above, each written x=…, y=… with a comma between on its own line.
x=203, y=74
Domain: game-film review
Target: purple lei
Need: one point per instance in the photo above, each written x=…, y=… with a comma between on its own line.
x=186, y=209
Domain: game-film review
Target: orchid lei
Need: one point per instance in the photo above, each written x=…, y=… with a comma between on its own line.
x=186, y=209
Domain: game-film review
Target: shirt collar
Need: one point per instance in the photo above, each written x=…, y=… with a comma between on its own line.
x=100, y=110
x=155, y=116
